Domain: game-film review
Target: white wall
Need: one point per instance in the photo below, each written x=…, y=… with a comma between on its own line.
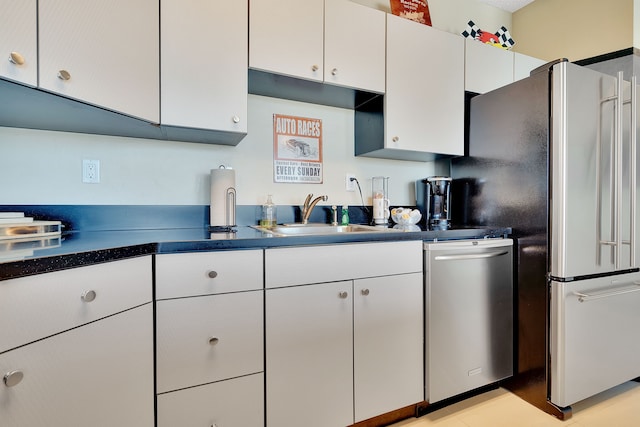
x=453, y=15
x=42, y=167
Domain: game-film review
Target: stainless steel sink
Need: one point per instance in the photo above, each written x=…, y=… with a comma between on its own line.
x=320, y=229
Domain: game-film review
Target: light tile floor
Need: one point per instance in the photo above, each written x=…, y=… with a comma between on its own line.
x=617, y=407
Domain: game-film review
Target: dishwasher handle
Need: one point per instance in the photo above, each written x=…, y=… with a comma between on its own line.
x=470, y=256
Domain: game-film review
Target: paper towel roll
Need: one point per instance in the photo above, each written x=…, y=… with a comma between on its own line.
x=222, y=211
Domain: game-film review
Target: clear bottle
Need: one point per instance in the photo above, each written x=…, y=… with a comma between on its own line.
x=269, y=213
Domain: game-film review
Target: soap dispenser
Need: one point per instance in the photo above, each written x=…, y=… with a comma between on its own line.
x=269, y=214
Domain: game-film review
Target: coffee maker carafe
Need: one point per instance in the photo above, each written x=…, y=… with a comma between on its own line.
x=433, y=198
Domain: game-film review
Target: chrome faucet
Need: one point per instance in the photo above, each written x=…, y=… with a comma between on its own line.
x=308, y=206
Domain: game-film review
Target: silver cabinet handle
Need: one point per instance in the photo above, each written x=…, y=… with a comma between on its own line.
x=64, y=75
x=235, y=119
x=212, y=274
x=214, y=340
x=334, y=72
x=470, y=256
x=12, y=378
x=16, y=58
x=365, y=292
x=314, y=68
x=343, y=295
x=88, y=296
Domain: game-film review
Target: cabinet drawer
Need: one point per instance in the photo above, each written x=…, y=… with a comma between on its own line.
x=191, y=274
x=236, y=402
x=98, y=375
x=187, y=355
x=316, y=264
x=35, y=307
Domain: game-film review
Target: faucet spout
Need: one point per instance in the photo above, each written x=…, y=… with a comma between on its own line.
x=309, y=205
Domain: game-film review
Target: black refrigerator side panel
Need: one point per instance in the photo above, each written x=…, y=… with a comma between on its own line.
x=504, y=178
x=505, y=182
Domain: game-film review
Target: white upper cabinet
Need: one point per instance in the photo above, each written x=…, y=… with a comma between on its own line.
x=334, y=41
x=524, y=64
x=354, y=46
x=486, y=67
x=102, y=52
x=424, y=101
x=204, y=64
x=18, y=41
x=286, y=37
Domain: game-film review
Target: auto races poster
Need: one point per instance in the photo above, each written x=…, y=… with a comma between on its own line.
x=297, y=149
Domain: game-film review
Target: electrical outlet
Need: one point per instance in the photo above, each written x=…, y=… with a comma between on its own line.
x=91, y=171
x=350, y=184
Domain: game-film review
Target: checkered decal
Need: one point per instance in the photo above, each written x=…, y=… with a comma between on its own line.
x=472, y=31
x=502, y=35
x=505, y=38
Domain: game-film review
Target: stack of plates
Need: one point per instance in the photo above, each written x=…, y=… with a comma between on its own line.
x=14, y=225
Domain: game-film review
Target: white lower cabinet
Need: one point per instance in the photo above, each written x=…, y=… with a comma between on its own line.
x=210, y=339
x=388, y=344
x=309, y=355
x=98, y=375
x=343, y=351
x=76, y=347
x=236, y=402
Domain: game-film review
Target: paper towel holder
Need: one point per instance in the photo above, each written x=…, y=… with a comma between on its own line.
x=229, y=211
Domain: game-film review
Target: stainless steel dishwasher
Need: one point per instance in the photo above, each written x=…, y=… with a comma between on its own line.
x=469, y=315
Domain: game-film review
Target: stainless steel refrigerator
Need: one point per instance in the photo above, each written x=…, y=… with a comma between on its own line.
x=554, y=156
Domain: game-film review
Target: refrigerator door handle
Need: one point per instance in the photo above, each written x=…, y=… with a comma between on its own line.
x=612, y=240
x=634, y=177
x=585, y=297
x=618, y=168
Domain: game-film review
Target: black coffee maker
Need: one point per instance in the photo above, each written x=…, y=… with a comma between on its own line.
x=433, y=196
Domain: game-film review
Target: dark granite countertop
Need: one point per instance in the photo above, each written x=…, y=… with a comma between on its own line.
x=75, y=249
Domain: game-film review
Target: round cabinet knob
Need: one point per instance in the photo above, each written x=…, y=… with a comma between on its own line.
x=88, y=296
x=12, y=378
x=212, y=274
x=343, y=295
x=334, y=72
x=395, y=139
x=16, y=58
x=365, y=292
x=214, y=340
x=314, y=68
x=235, y=119
x=64, y=75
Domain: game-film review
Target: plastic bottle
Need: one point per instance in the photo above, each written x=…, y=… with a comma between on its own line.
x=269, y=213
x=345, y=215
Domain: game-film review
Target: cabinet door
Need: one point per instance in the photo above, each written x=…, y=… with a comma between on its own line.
x=486, y=67
x=424, y=101
x=109, y=50
x=208, y=338
x=309, y=355
x=388, y=344
x=523, y=65
x=35, y=307
x=205, y=273
x=98, y=375
x=204, y=64
x=238, y=402
x=286, y=37
x=18, y=41
x=354, y=45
